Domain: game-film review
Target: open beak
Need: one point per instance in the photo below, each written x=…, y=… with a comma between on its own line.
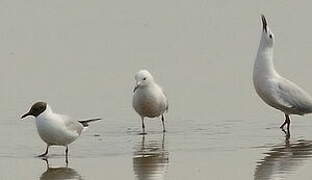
x=25, y=115
x=264, y=23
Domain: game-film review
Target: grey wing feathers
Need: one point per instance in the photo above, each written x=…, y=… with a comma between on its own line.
x=86, y=122
x=293, y=97
x=72, y=125
x=167, y=104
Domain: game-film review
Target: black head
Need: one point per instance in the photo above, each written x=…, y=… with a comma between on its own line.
x=36, y=109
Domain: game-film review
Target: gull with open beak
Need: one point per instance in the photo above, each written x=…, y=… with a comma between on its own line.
x=274, y=89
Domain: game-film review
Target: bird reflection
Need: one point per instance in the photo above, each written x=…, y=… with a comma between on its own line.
x=59, y=173
x=150, y=160
x=283, y=160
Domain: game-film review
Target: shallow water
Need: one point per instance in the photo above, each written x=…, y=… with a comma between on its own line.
x=81, y=57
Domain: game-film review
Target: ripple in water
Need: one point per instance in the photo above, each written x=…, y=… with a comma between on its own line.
x=60, y=173
x=150, y=159
x=283, y=160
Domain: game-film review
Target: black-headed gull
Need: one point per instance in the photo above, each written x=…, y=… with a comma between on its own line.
x=56, y=129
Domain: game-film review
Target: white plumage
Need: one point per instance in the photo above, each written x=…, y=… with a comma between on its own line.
x=56, y=129
x=149, y=99
x=274, y=89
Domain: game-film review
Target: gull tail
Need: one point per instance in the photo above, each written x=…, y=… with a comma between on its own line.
x=86, y=122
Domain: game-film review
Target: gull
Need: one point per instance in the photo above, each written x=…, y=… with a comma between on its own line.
x=274, y=89
x=56, y=129
x=149, y=99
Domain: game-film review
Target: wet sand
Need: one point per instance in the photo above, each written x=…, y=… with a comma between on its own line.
x=174, y=155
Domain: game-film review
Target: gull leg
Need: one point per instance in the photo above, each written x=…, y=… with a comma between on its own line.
x=66, y=155
x=288, y=125
x=66, y=151
x=143, y=126
x=285, y=122
x=163, y=123
x=45, y=153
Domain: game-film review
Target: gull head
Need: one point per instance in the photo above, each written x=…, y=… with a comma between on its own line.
x=36, y=109
x=143, y=78
x=267, y=35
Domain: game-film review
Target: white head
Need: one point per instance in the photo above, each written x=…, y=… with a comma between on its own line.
x=143, y=78
x=267, y=37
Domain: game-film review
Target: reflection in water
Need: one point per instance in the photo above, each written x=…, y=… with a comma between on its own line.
x=283, y=160
x=60, y=173
x=150, y=160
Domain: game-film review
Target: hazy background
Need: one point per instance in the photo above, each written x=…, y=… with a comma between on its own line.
x=81, y=57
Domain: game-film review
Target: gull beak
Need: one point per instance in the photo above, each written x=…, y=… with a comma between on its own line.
x=25, y=115
x=136, y=86
x=264, y=23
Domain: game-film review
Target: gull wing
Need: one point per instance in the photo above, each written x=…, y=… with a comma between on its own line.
x=167, y=103
x=291, y=96
x=72, y=125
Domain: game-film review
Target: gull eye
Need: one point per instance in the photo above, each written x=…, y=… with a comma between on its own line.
x=144, y=79
x=270, y=36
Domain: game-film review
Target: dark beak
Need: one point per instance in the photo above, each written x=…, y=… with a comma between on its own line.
x=135, y=88
x=264, y=23
x=25, y=115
